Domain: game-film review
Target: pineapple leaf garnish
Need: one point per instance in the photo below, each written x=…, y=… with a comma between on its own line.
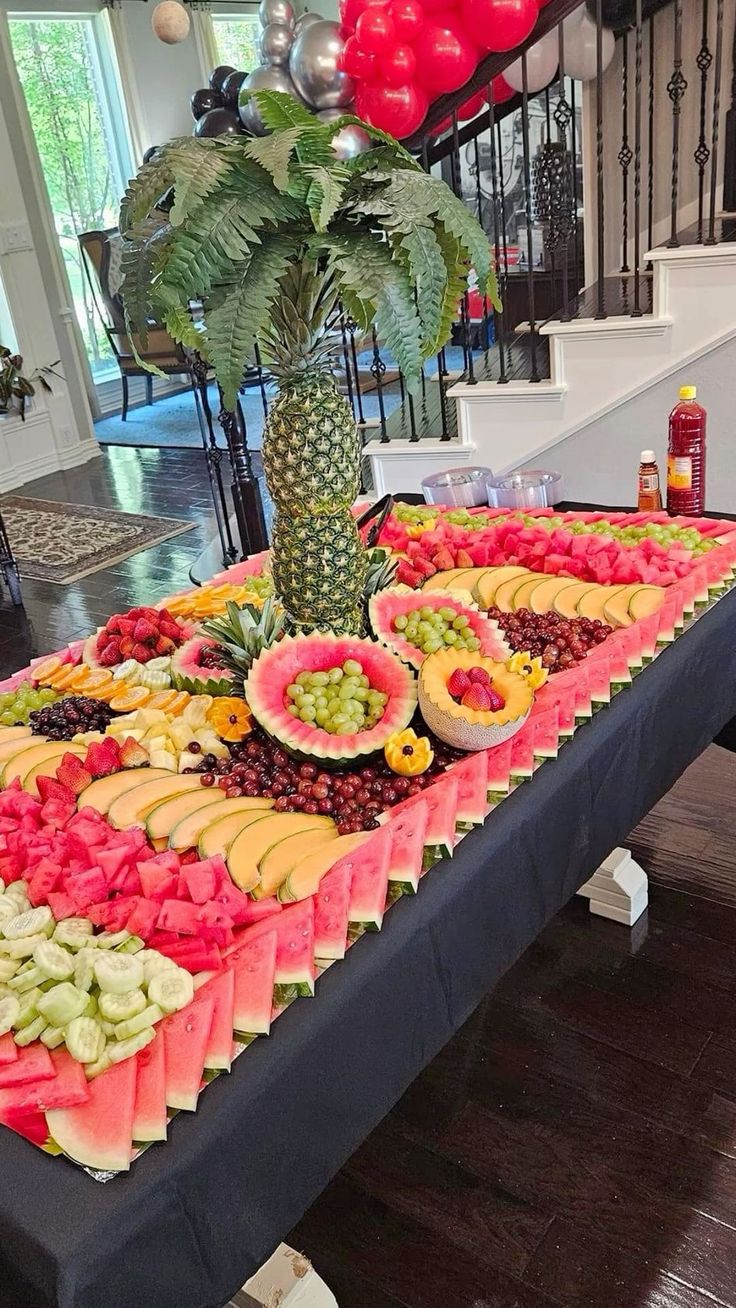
x=381, y=572
x=244, y=634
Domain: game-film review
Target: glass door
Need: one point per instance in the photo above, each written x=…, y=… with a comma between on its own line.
x=236, y=38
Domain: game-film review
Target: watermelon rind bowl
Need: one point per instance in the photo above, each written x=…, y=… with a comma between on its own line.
x=277, y=667
x=387, y=604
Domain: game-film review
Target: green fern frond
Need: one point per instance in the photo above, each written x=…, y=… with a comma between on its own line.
x=178, y=323
x=196, y=175
x=273, y=153
x=397, y=323
x=325, y=193
x=143, y=191
x=452, y=256
x=142, y=251
x=429, y=274
x=280, y=112
x=235, y=323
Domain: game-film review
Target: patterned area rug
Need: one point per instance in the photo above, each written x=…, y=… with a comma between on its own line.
x=61, y=543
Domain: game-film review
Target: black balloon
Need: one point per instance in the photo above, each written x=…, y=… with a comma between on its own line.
x=231, y=89
x=218, y=75
x=620, y=14
x=219, y=122
x=204, y=100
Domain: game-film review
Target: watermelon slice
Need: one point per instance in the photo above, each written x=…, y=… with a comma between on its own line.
x=64, y=1090
x=408, y=831
x=498, y=772
x=369, y=883
x=630, y=641
x=618, y=664
x=439, y=838
x=647, y=629
x=563, y=699
x=294, y=928
x=99, y=1133
x=522, y=753
x=331, y=904
x=186, y=1035
x=547, y=733
x=254, y=968
x=8, y=1050
x=32, y=1126
x=150, y=1117
x=221, y=990
x=472, y=794
x=667, y=621
x=599, y=679
x=32, y=1064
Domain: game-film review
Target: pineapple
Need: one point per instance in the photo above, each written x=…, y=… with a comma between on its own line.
x=243, y=634
x=311, y=458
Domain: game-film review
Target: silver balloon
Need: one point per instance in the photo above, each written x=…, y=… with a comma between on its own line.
x=306, y=20
x=313, y=64
x=351, y=141
x=331, y=115
x=263, y=79
x=276, y=11
x=275, y=44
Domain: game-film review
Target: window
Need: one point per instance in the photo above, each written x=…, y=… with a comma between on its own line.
x=236, y=39
x=67, y=70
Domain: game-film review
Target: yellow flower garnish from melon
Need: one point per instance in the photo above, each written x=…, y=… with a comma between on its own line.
x=415, y=532
x=407, y=753
x=525, y=666
x=230, y=717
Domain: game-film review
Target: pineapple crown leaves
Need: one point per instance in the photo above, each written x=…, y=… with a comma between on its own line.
x=245, y=633
x=381, y=572
x=387, y=239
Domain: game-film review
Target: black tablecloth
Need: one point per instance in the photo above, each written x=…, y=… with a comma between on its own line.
x=198, y=1215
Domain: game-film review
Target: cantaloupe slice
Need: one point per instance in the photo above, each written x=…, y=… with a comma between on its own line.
x=566, y=602
x=524, y=591
x=218, y=836
x=47, y=768
x=465, y=579
x=646, y=601
x=489, y=583
x=20, y=764
x=616, y=609
x=132, y=808
x=164, y=817
x=13, y=733
x=305, y=878
x=286, y=855
x=101, y=793
x=248, y=848
x=543, y=597
x=592, y=604
x=440, y=580
x=188, y=830
x=9, y=748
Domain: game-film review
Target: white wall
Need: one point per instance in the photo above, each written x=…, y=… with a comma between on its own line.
x=163, y=77
x=600, y=463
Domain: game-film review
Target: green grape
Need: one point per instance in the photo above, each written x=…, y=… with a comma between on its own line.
x=450, y=637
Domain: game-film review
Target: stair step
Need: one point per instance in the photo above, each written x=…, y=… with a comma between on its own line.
x=618, y=298
x=725, y=233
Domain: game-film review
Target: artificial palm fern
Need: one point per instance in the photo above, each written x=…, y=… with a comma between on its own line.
x=276, y=239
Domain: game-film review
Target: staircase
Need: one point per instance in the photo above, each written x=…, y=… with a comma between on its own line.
x=639, y=284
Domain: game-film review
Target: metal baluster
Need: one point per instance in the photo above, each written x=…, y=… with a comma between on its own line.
x=352, y=327
x=576, y=195
x=378, y=368
x=716, y=125
x=465, y=302
x=527, y=202
x=625, y=156
x=198, y=371
x=261, y=382
x=504, y=238
x=479, y=202
x=600, y=184
x=346, y=361
x=443, y=404
x=702, y=152
x=413, y=434
x=496, y=235
x=676, y=88
x=636, y=312
x=545, y=161
x=729, y=161
x=245, y=488
x=650, y=158
x=562, y=116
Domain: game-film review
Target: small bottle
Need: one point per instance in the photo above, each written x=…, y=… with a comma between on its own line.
x=650, y=495
x=686, y=456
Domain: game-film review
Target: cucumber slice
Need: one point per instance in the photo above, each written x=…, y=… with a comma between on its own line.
x=74, y=933
x=62, y=1004
x=155, y=964
x=118, y=973
x=90, y=1008
x=149, y=1017
x=85, y=1040
x=112, y=939
x=8, y=908
x=28, y=1012
x=119, y=1008
x=55, y=962
x=133, y=945
x=23, y=947
x=108, y=1027
x=27, y=979
x=18, y=895
x=2, y=886
x=8, y=969
x=171, y=990
x=52, y=1037
x=103, y=1064
x=31, y=1032
x=133, y=1045
x=31, y=923
x=84, y=969
x=9, y=1013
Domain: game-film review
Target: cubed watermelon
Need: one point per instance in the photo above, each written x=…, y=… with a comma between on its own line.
x=32, y=1064
x=177, y=916
x=66, y=1088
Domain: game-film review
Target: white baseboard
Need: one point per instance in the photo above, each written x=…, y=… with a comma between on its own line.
x=24, y=471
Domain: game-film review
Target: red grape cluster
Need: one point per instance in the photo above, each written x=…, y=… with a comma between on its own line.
x=559, y=642
x=353, y=797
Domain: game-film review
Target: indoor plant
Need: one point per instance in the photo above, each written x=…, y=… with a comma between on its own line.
x=275, y=238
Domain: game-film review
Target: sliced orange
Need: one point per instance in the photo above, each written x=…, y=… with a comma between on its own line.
x=63, y=679
x=162, y=700
x=132, y=697
x=93, y=678
x=179, y=703
x=46, y=668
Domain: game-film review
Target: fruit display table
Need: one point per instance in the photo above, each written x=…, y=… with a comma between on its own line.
x=194, y=1218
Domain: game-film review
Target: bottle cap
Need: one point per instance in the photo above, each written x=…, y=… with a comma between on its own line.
x=648, y=456
x=688, y=392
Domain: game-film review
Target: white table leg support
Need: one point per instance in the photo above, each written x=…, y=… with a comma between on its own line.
x=288, y=1280
x=619, y=889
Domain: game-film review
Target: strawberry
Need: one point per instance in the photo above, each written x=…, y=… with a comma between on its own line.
x=479, y=676
x=443, y=560
x=463, y=559
x=132, y=755
x=497, y=701
x=126, y=646
x=113, y=624
x=164, y=646
x=110, y=655
x=103, y=757
x=141, y=653
x=171, y=629
x=145, y=632
x=477, y=698
x=424, y=567
x=459, y=683
x=127, y=626
x=408, y=576
x=50, y=788
x=72, y=774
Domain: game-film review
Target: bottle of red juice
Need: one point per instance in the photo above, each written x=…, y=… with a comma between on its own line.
x=686, y=456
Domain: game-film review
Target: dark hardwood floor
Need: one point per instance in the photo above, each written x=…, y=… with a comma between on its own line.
x=574, y=1146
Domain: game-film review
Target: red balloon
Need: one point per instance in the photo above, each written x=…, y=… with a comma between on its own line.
x=442, y=126
x=357, y=62
x=500, y=24
x=398, y=66
x=375, y=29
x=408, y=16
x=472, y=106
x=501, y=90
x=399, y=110
x=445, y=57
x=350, y=11
x=438, y=6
